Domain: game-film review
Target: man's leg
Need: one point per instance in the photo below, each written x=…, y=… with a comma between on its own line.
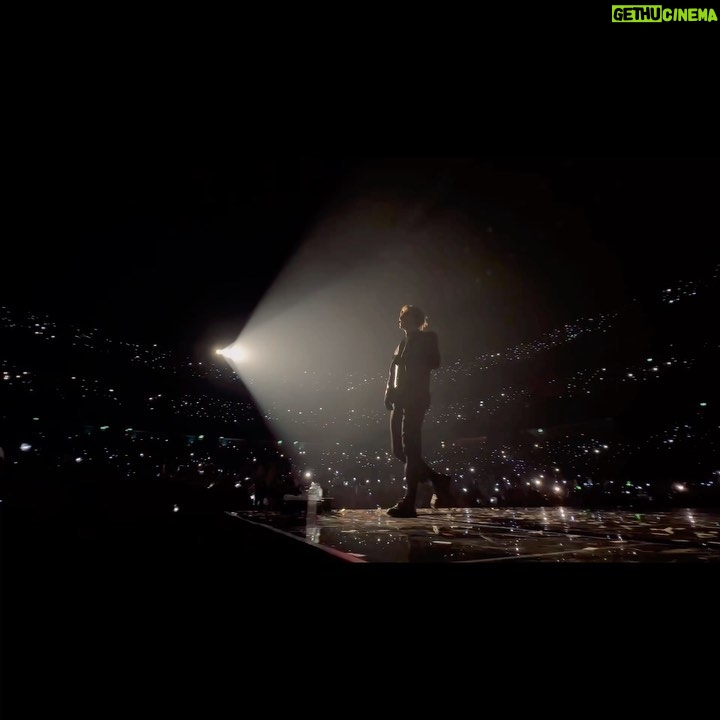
x=411, y=427
x=396, y=443
x=412, y=444
x=415, y=468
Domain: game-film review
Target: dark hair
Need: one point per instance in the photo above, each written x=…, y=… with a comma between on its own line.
x=418, y=316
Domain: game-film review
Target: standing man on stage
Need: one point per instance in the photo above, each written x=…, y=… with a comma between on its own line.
x=407, y=396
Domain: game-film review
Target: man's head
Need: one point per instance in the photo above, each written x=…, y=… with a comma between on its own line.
x=412, y=318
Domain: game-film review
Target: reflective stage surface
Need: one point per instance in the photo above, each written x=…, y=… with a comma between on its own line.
x=506, y=535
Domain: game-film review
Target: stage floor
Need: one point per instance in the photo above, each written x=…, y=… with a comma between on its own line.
x=505, y=535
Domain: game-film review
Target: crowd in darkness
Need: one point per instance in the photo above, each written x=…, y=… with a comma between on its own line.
x=154, y=431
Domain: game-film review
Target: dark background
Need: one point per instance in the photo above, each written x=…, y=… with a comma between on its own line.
x=157, y=246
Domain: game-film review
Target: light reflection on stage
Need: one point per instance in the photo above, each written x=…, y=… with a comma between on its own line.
x=505, y=535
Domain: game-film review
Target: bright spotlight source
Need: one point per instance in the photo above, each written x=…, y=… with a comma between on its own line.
x=232, y=352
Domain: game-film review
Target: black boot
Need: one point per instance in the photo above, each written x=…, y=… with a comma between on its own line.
x=403, y=509
x=406, y=507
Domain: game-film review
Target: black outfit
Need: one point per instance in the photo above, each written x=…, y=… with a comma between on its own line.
x=407, y=395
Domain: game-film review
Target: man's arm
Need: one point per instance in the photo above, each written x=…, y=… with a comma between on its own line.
x=389, y=386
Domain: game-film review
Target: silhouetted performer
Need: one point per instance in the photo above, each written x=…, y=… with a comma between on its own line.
x=407, y=396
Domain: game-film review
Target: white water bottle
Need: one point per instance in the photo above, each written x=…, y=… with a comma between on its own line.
x=315, y=493
x=314, y=496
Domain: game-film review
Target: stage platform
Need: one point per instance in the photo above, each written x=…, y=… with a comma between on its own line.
x=500, y=536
